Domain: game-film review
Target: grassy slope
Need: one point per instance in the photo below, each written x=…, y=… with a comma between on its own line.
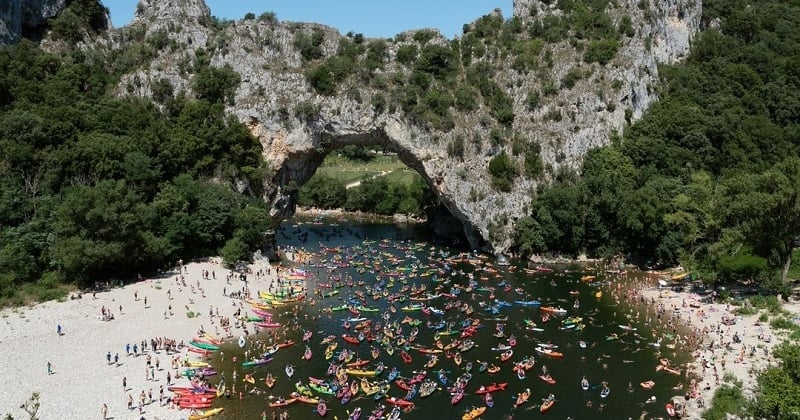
x=347, y=171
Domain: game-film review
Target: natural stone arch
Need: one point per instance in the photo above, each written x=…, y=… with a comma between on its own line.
x=296, y=155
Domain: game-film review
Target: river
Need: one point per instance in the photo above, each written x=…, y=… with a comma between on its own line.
x=392, y=257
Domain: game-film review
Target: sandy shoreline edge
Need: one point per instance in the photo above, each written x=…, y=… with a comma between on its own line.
x=83, y=380
x=721, y=341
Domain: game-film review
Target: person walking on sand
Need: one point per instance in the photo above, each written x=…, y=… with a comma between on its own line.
x=104, y=411
x=49, y=368
x=59, y=330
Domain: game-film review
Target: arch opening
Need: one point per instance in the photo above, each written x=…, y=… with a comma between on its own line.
x=302, y=160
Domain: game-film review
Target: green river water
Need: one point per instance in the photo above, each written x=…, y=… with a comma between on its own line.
x=623, y=363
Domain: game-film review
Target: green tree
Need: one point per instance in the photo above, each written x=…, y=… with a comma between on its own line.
x=234, y=250
x=217, y=84
x=503, y=171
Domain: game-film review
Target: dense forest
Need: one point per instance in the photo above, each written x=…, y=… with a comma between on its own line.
x=94, y=186
x=710, y=176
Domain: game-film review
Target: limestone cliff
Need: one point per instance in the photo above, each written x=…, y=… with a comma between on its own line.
x=20, y=18
x=563, y=101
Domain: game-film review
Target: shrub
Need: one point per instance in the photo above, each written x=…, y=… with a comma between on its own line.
x=573, y=75
x=310, y=46
x=533, y=101
x=424, y=36
x=626, y=27
x=456, y=147
x=503, y=171
x=601, y=51
x=465, y=98
x=407, y=54
x=321, y=80
x=217, y=84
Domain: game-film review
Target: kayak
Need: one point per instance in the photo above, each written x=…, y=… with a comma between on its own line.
x=474, y=413
x=359, y=372
x=204, y=346
x=256, y=362
x=492, y=388
x=546, y=405
x=547, y=378
x=206, y=414
x=522, y=397
x=304, y=398
x=282, y=403
x=549, y=352
x=399, y=402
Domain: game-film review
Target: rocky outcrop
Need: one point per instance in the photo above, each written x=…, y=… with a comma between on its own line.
x=580, y=105
x=20, y=18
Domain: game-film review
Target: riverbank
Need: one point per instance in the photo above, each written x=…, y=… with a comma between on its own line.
x=725, y=346
x=339, y=213
x=98, y=328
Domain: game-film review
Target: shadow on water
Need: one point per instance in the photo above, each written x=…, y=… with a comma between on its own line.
x=368, y=252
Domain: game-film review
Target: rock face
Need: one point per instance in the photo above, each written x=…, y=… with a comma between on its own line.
x=298, y=127
x=21, y=17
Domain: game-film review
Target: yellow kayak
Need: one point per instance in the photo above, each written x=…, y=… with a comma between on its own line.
x=681, y=276
x=474, y=413
x=359, y=372
x=205, y=414
x=195, y=363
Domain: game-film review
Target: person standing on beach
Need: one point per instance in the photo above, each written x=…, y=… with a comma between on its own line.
x=104, y=411
x=58, y=330
x=49, y=368
x=124, y=383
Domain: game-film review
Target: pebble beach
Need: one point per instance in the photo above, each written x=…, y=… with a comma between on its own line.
x=81, y=380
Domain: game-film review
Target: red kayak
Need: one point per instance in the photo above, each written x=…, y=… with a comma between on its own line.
x=358, y=363
x=180, y=393
x=457, y=396
x=201, y=400
x=405, y=356
x=399, y=402
x=492, y=388
x=402, y=384
x=546, y=405
x=286, y=344
x=350, y=339
x=547, y=378
x=197, y=350
x=194, y=405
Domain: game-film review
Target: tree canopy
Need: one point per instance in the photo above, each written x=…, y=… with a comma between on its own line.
x=708, y=176
x=94, y=186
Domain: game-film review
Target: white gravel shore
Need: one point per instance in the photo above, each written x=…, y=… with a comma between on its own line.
x=717, y=324
x=82, y=380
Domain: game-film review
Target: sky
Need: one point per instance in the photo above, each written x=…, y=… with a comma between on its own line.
x=373, y=18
